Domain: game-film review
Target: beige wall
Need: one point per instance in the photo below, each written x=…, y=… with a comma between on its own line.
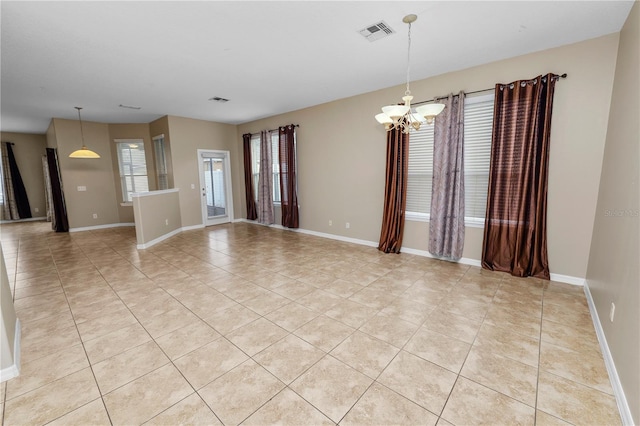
x=29, y=150
x=613, y=274
x=187, y=136
x=341, y=151
x=156, y=214
x=130, y=131
x=96, y=174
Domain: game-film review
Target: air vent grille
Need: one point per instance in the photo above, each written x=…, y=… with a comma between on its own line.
x=376, y=31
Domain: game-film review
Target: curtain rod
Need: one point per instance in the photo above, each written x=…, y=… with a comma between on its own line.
x=274, y=130
x=471, y=93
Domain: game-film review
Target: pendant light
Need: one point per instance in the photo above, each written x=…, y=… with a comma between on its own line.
x=83, y=152
x=400, y=116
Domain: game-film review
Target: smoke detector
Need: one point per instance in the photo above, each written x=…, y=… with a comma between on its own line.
x=376, y=31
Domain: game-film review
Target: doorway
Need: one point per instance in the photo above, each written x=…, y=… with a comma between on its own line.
x=215, y=185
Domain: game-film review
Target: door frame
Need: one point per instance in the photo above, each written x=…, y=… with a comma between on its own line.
x=226, y=157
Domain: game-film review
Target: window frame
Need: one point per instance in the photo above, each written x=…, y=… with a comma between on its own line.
x=473, y=222
x=160, y=160
x=122, y=165
x=275, y=165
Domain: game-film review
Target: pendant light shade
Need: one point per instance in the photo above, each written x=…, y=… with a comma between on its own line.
x=429, y=111
x=83, y=152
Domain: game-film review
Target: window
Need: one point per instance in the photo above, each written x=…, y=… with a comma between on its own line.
x=275, y=163
x=478, y=122
x=161, y=162
x=133, y=168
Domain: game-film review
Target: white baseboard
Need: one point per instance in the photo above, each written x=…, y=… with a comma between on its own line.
x=618, y=392
x=31, y=219
x=107, y=226
x=463, y=260
x=14, y=369
x=192, y=227
x=159, y=239
x=332, y=237
x=168, y=235
x=567, y=279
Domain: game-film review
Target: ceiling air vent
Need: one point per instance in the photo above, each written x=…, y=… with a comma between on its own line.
x=219, y=99
x=376, y=31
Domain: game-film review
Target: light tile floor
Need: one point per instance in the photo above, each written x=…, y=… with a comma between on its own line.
x=246, y=324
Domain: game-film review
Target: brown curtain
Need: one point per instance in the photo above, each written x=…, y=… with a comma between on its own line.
x=446, y=219
x=288, y=176
x=515, y=230
x=252, y=212
x=395, y=192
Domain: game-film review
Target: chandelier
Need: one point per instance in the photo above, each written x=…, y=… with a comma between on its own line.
x=83, y=152
x=401, y=116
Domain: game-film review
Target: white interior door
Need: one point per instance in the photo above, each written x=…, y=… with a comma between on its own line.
x=215, y=186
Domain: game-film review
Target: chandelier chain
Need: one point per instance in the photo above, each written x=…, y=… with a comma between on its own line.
x=408, y=92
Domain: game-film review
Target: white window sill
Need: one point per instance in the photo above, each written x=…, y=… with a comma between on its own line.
x=470, y=222
x=126, y=204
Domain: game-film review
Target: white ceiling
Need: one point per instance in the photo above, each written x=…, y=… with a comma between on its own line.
x=267, y=57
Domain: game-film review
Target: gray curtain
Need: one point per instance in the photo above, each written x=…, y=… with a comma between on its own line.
x=9, y=206
x=446, y=225
x=265, y=181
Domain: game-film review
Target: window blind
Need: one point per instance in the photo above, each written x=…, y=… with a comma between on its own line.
x=478, y=122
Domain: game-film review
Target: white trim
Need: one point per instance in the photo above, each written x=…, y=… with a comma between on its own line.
x=568, y=279
x=93, y=228
x=333, y=237
x=225, y=156
x=14, y=369
x=462, y=260
x=160, y=136
x=470, y=222
x=192, y=227
x=618, y=391
x=168, y=235
x=159, y=239
x=127, y=204
x=149, y=193
x=31, y=219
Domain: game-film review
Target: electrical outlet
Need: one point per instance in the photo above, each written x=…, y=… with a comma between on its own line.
x=166, y=222
x=330, y=223
x=95, y=215
x=37, y=210
x=348, y=225
x=612, y=312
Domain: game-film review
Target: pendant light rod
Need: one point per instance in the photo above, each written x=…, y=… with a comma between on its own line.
x=84, y=146
x=83, y=152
